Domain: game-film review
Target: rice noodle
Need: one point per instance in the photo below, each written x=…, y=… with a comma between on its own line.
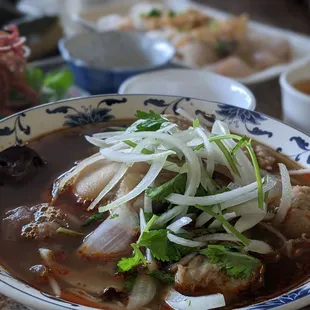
x=286, y=199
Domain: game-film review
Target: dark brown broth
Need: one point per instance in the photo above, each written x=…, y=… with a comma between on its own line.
x=61, y=149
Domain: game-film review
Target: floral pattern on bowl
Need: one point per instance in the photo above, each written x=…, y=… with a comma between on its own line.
x=34, y=122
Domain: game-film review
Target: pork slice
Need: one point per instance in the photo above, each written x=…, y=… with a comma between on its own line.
x=297, y=221
x=200, y=277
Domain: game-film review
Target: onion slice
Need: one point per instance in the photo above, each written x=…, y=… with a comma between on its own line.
x=143, y=292
x=178, y=301
x=286, y=198
x=177, y=225
x=185, y=242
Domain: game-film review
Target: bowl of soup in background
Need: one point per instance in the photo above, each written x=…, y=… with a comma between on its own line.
x=72, y=114
x=295, y=90
x=100, y=62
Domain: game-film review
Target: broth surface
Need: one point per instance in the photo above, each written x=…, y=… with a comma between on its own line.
x=303, y=86
x=61, y=150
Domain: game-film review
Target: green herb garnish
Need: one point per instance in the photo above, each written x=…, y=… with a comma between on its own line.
x=69, y=232
x=154, y=13
x=236, y=265
x=127, y=263
x=162, y=276
x=114, y=215
x=94, y=217
x=175, y=185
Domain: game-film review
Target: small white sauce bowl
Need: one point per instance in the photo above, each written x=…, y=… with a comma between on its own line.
x=295, y=104
x=191, y=83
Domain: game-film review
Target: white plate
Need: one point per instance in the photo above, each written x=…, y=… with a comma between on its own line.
x=300, y=44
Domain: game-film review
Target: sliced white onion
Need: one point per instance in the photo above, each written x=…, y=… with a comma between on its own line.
x=247, y=208
x=184, y=114
x=114, y=236
x=54, y=286
x=299, y=171
x=217, y=237
x=193, y=174
x=183, y=261
x=142, y=220
x=168, y=215
x=108, y=134
x=178, y=301
x=96, y=141
x=248, y=221
x=202, y=219
x=209, y=150
x=227, y=217
x=147, y=203
x=259, y=246
x=183, y=221
x=212, y=199
x=143, y=292
x=132, y=158
x=185, y=242
x=286, y=198
x=148, y=179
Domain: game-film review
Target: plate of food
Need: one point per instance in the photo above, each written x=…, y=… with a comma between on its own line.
x=206, y=38
x=153, y=202
x=25, y=85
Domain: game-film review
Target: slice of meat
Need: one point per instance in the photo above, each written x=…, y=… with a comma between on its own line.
x=200, y=277
x=37, y=222
x=297, y=221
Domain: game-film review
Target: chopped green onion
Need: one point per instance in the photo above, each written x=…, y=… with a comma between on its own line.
x=94, y=217
x=257, y=174
x=238, y=145
x=228, y=156
x=198, y=147
x=196, y=123
x=69, y=232
x=225, y=223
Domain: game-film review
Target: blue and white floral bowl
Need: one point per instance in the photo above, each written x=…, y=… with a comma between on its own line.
x=34, y=122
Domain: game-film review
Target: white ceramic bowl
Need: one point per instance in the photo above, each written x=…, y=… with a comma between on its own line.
x=43, y=119
x=295, y=104
x=191, y=83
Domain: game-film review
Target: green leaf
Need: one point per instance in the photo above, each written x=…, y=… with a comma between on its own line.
x=160, y=246
x=175, y=185
x=127, y=263
x=162, y=276
x=113, y=216
x=154, y=13
x=34, y=78
x=94, y=217
x=148, y=121
x=59, y=81
x=172, y=13
x=129, y=282
x=235, y=264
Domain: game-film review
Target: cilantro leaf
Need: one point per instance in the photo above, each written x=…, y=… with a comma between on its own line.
x=127, y=263
x=236, y=265
x=148, y=121
x=175, y=185
x=160, y=246
x=162, y=276
x=154, y=13
x=94, y=217
x=129, y=282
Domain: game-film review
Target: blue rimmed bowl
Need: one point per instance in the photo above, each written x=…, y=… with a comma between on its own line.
x=40, y=120
x=101, y=62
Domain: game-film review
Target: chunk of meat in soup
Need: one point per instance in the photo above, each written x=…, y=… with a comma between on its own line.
x=297, y=221
x=200, y=277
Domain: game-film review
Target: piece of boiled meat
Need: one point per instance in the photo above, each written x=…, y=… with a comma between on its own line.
x=37, y=222
x=201, y=277
x=297, y=221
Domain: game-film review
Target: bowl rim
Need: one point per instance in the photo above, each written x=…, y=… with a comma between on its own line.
x=29, y=299
x=285, y=85
x=251, y=106
x=65, y=53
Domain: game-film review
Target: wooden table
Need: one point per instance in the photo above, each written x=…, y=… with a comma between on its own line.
x=290, y=14
x=293, y=15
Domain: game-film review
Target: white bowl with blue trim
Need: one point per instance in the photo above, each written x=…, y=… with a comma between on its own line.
x=44, y=119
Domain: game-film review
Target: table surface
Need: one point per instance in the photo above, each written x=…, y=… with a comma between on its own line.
x=290, y=14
